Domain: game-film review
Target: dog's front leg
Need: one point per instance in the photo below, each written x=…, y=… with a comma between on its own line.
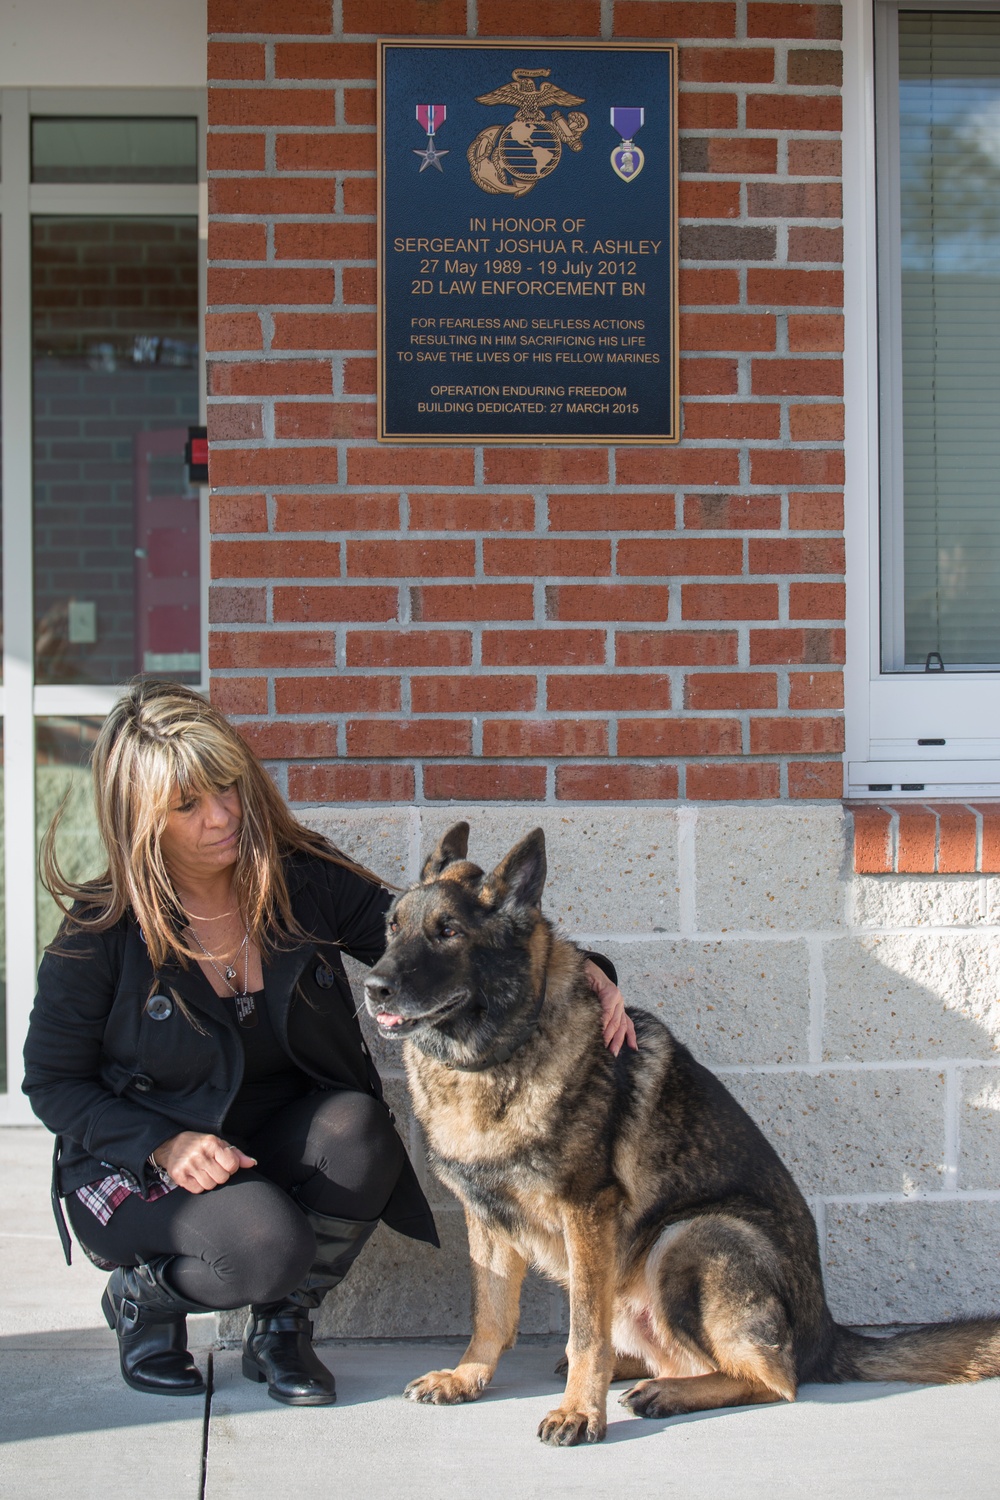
x=590, y=1236
x=497, y=1273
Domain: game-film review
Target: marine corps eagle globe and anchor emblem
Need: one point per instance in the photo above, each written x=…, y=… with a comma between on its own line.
x=513, y=158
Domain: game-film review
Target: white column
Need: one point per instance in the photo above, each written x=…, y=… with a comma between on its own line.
x=18, y=612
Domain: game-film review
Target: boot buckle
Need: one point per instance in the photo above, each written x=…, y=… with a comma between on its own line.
x=128, y=1314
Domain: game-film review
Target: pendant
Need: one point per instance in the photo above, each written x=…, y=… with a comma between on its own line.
x=230, y=972
x=627, y=159
x=246, y=1011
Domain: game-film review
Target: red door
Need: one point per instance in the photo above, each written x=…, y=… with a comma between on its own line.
x=167, y=558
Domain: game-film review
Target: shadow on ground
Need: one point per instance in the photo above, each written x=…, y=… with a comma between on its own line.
x=58, y=1386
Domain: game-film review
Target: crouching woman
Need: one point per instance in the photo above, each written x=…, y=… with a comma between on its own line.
x=221, y=1135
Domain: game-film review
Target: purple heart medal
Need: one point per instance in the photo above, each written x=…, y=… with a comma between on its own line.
x=430, y=116
x=627, y=159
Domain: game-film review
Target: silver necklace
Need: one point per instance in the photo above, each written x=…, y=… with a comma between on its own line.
x=246, y=1006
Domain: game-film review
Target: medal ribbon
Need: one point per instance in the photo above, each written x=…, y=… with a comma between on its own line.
x=627, y=121
x=431, y=116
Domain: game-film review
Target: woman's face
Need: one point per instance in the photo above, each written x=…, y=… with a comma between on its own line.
x=201, y=834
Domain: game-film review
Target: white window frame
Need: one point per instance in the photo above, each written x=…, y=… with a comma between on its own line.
x=21, y=702
x=889, y=712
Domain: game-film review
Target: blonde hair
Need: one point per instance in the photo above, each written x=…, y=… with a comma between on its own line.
x=158, y=738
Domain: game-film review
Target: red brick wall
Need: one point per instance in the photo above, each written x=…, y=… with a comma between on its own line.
x=544, y=623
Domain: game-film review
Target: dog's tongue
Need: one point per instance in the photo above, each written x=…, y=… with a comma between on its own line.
x=384, y=1019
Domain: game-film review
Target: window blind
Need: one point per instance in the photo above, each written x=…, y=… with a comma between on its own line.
x=949, y=132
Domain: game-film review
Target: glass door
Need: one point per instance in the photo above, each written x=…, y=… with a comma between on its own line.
x=104, y=539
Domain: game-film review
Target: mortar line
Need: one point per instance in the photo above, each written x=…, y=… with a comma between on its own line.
x=921, y=1195
x=817, y=998
x=687, y=871
x=413, y=845
x=555, y=1308
x=418, y=1153
x=884, y=1065
x=949, y=1177
x=819, y=1214
x=851, y=901
x=790, y=935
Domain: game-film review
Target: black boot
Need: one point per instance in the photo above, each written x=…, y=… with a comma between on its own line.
x=148, y=1317
x=277, y=1342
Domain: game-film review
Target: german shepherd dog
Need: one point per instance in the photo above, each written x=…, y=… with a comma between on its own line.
x=689, y=1255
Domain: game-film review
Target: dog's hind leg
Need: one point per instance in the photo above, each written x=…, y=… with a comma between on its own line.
x=719, y=1294
x=672, y=1398
x=497, y=1273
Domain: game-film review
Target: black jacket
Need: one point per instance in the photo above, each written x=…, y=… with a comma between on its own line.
x=113, y=1076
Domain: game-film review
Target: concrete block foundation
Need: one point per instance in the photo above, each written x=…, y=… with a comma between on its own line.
x=856, y=1018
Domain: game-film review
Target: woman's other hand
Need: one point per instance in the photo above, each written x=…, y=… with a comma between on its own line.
x=200, y=1162
x=618, y=1026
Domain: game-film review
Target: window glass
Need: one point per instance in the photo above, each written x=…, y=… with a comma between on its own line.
x=114, y=150
x=115, y=350
x=1, y=530
x=3, y=950
x=62, y=775
x=949, y=176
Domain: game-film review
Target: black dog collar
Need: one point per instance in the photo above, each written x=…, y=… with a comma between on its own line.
x=504, y=1054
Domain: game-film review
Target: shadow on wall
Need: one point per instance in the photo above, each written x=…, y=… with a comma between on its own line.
x=930, y=1011
x=867, y=1056
x=894, y=1136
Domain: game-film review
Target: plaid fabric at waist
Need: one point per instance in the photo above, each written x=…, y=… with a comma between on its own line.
x=108, y=1193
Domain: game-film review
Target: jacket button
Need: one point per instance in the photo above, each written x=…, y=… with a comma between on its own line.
x=325, y=977
x=142, y=1082
x=158, y=1008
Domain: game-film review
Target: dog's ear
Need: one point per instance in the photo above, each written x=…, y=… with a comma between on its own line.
x=519, y=878
x=454, y=845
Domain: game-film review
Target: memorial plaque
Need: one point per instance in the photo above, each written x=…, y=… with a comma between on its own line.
x=528, y=242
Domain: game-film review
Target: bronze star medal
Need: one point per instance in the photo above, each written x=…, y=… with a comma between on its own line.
x=430, y=116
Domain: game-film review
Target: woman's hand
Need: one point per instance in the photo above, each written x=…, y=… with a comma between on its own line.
x=199, y=1162
x=618, y=1026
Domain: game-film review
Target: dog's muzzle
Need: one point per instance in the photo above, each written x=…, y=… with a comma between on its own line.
x=394, y=1019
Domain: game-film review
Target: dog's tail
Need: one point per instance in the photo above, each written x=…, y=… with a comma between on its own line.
x=939, y=1354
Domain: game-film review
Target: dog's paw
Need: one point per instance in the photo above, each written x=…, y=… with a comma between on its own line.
x=445, y=1388
x=652, y=1398
x=564, y=1429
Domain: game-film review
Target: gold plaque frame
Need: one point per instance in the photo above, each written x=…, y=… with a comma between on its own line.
x=603, y=439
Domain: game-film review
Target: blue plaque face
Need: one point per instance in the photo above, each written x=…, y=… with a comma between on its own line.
x=528, y=242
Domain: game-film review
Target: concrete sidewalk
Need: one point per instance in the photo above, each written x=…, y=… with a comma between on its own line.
x=70, y=1428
